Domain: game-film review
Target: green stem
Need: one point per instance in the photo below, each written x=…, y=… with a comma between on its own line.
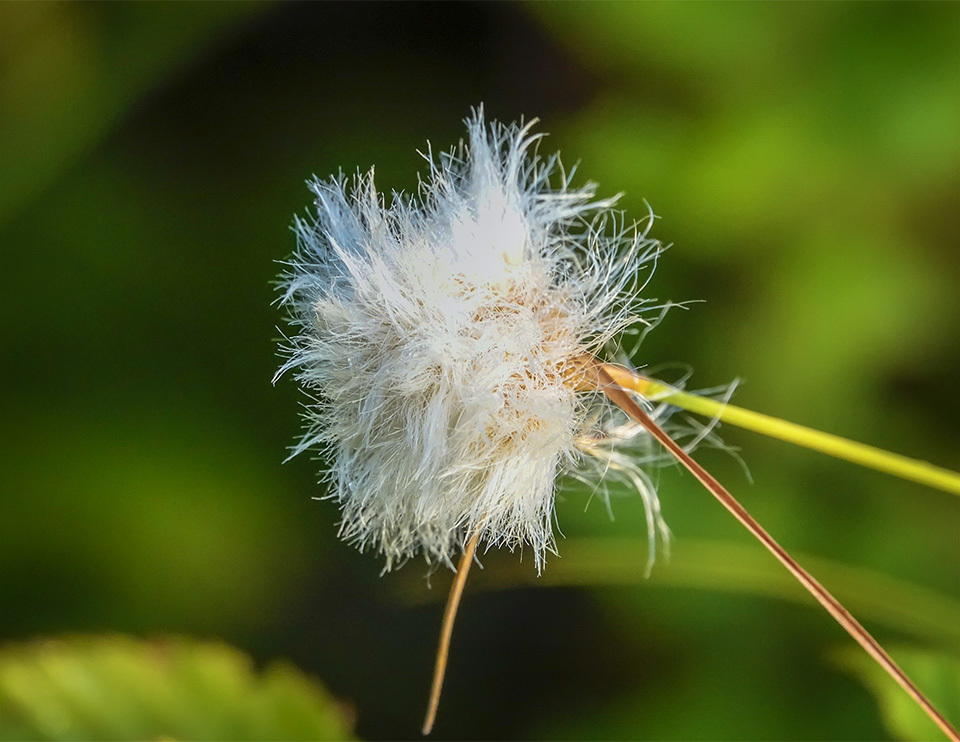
x=832, y=445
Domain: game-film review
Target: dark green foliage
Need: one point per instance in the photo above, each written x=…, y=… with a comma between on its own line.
x=803, y=160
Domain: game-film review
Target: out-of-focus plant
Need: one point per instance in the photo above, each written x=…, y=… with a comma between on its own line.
x=120, y=688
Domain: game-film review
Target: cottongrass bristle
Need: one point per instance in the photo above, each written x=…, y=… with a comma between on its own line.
x=438, y=337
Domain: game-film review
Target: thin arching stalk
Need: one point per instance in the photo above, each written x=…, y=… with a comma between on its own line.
x=620, y=397
x=446, y=630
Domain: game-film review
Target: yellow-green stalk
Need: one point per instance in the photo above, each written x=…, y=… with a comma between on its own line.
x=832, y=445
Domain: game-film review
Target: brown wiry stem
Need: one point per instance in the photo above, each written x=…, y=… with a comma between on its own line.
x=446, y=630
x=619, y=396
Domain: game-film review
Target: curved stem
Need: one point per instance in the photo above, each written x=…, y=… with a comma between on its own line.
x=446, y=630
x=619, y=396
x=832, y=445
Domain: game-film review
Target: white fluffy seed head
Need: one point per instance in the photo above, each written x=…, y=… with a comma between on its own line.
x=438, y=337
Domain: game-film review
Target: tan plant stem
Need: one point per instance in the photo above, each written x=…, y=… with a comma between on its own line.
x=620, y=397
x=446, y=630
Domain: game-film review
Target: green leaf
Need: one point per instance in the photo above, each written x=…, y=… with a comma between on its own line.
x=118, y=687
x=936, y=674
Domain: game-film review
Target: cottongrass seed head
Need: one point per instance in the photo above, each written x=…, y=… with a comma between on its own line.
x=441, y=339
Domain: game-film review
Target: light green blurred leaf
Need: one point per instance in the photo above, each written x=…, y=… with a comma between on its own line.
x=936, y=674
x=118, y=687
x=728, y=567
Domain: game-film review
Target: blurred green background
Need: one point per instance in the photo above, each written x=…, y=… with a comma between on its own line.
x=805, y=161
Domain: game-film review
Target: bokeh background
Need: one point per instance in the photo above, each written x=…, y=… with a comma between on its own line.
x=805, y=162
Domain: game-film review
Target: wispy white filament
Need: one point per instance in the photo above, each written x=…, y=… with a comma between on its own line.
x=438, y=337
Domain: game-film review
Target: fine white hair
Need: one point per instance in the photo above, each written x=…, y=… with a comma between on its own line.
x=437, y=336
